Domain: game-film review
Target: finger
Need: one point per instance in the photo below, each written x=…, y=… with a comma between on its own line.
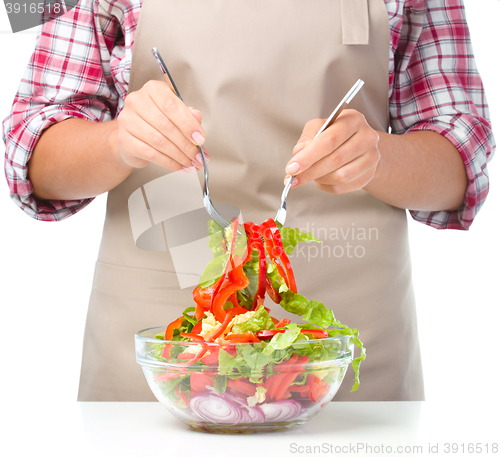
x=352, y=186
x=143, y=151
x=332, y=138
x=176, y=111
x=148, y=130
x=196, y=114
x=350, y=150
x=207, y=155
x=310, y=130
x=351, y=171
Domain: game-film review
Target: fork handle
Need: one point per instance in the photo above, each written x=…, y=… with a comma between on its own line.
x=340, y=107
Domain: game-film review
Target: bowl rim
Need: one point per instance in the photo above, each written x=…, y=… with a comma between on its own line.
x=139, y=337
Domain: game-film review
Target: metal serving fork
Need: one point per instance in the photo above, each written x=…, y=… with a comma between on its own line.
x=281, y=215
x=213, y=213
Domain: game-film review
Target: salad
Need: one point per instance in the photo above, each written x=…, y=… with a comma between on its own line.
x=230, y=361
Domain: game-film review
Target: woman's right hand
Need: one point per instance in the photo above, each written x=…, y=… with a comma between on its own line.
x=156, y=126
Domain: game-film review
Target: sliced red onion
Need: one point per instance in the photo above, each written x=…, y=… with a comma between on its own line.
x=255, y=414
x=281, y=410
x=215, y=408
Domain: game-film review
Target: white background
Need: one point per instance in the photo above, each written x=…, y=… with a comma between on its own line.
x=47, y=271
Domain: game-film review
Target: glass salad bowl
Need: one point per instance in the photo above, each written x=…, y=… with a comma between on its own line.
x=241, y=387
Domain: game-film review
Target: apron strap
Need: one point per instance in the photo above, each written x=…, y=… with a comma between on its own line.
x=355, y=22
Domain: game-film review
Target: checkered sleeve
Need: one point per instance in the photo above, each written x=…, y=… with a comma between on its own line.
x=437, y=87
x=68, y=76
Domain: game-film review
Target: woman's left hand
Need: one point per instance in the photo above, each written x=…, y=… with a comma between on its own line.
x=342, y=159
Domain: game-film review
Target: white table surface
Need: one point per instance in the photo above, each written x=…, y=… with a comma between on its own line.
x=342, y=428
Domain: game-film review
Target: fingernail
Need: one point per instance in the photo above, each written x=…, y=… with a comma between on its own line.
x=196, y=165
x=186, y=169
x=287, y=178
x=195, y=111
x=295, y=182
x=198, y=138
x=198, y=158
x=292, y=168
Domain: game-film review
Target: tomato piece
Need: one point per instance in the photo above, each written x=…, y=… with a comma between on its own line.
x=200, y=381
x=299, y=388
x=212, y=358
x=318, y=388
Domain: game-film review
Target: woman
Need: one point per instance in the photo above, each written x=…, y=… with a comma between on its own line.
x=258, y=71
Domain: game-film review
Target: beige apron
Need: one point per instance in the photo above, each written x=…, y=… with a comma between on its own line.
x=258, y=71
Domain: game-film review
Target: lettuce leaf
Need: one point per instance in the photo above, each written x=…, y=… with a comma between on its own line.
x=293, y=236
x=261, y=320
x=217, y=237
x=251, y=270
x=282, y=341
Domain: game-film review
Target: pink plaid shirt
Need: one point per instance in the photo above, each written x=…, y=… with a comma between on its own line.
x=81, y=68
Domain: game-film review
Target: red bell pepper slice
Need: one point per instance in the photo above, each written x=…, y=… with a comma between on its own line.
x=315, y=332
x=197, y=328
x=242, y=386
x=268, y=334
x=283, y=322
x=271, y=249
x=274, y=247
x=186, y=356
x=255, y=242
x=287, y=379
x=166, y=351
x=220, y=330
x=195, y=358
x=169, y=331
x=181, y=395
x=272, y=292
x=283, y=366
x=271, y=384
x=192, y=337
x=237, y=281
x=219, y=282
